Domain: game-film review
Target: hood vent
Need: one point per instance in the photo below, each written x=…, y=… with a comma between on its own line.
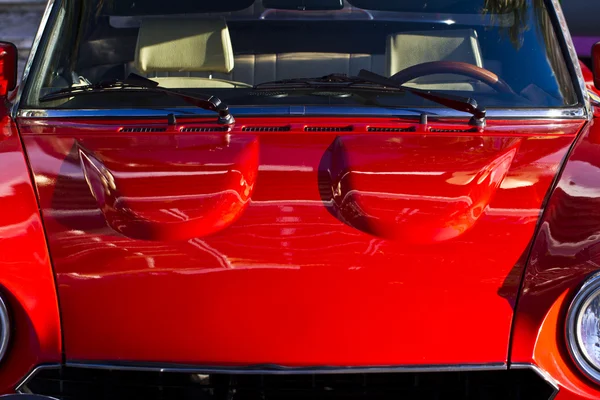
x=266, y=129
x=142, y=129
x=441, y=130
x=390, y=129
x=328, y=129
x=205, y=129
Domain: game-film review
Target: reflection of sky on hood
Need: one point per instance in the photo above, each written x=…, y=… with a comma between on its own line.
x=583, y=176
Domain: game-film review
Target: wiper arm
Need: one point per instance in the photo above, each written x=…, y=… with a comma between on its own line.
x=137, y=83
x=459, y=103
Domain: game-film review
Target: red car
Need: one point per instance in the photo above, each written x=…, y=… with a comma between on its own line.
x=300, y=199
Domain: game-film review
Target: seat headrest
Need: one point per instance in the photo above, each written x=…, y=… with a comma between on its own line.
x=407, y=49
x=183, y=45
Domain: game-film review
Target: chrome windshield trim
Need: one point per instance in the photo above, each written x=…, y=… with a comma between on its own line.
x=34, y=49
x=277, y=111
x=564, y=36
x=30, y=375
x=280, y=370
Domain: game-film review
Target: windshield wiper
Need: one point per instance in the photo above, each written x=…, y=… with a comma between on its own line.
x=137, y=83
x=459, y=103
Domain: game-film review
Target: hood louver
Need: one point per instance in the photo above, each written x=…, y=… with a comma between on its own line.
x=205, y=129
x=266, y=129
x=390, y=129
x=441, y=130
x=328, y=129
x=142, y=129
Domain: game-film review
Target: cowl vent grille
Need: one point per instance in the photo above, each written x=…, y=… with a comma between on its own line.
x=205, y=129
x=70, y=383
x=390, y=129
x=266, y=129
x=142, y=129
x=442, y=130
x=328, y=129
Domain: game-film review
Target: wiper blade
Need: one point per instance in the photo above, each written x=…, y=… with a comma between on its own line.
x=459, y=103
x=137, y=83
x=365, y=77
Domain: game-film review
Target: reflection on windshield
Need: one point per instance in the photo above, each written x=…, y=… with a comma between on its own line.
x=519, y=9
x=231, y=48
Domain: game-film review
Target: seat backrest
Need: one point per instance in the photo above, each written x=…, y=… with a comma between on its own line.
x=406, y=49
x=258, y=68
x=183, y=45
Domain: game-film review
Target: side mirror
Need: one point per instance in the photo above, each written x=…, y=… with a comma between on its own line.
x=8, y=68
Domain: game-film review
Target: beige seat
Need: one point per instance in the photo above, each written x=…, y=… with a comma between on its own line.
x=258, y=68
x=183, y=46
x=406, y=49
x=190, y=52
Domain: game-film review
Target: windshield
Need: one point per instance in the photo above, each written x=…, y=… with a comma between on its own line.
x=502, y=53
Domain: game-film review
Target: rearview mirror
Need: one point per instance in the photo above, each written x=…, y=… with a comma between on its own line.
x=304, y=5
x=8, y=68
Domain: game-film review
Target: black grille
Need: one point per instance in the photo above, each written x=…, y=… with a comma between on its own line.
x=90, y=384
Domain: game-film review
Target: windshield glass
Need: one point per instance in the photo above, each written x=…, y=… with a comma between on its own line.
x=502, y=53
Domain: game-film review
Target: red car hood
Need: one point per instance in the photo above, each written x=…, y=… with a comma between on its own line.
x=291, y=242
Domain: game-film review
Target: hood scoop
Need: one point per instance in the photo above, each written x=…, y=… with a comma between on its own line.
x=190, y=186
x=417, y=189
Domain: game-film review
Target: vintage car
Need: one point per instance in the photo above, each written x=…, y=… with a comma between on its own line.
x=300, y=199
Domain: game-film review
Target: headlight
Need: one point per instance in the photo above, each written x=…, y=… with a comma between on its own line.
x=4, y=329
x=583, y=328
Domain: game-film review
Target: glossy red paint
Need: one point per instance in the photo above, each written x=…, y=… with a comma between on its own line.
x=564, y=253
x=291, y=247
x=26, y=279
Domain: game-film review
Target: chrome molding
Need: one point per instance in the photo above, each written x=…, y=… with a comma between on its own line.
x=279, y=370
x=572, y=335
x=543, y=374
x=260, y=111
x=33, y=372
x=564, y=35
x=4, y=329
x=34, y=48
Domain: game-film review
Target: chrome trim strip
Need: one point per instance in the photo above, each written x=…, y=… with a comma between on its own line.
x=33, y=373
x=279, y=370
x=34, y=48
x=258, y=111
x=564, y=35
x=543, y=374
x=4, y=329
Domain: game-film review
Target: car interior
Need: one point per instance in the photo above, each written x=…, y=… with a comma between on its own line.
x=246, y=43
x=208, y=50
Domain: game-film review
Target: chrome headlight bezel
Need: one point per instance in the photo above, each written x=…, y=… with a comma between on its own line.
x=589, y=291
